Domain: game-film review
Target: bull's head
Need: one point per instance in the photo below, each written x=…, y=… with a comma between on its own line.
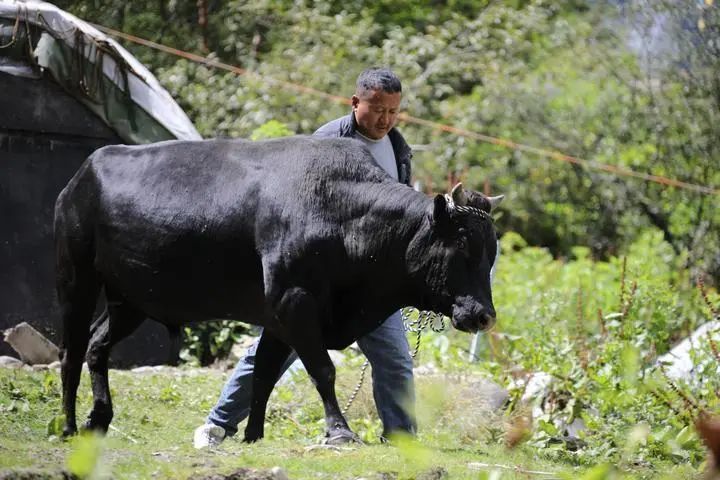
x=452, y=255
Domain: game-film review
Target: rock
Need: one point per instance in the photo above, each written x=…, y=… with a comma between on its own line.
x=31, y=345
x=245, y=474
x=278, y=473
x=149, y=369
x=435, y=473
x=31, y=474
x=10, y=362
x=385, y=476
x=678, y=362
x=488, y=393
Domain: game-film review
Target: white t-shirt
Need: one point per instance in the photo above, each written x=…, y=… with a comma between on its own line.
x=383, y=153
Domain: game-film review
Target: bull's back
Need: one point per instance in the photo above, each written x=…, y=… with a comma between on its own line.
x=179, y=228
x=196, y=180
x=173, y=229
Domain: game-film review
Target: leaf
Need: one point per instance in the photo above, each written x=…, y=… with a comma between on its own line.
x=271, y=129
x=84, y=458
x=410, y=448
x=548, y=428
x=55, y=425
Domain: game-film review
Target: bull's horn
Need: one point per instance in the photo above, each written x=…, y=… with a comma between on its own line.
x=458, y=195
x=495, y=201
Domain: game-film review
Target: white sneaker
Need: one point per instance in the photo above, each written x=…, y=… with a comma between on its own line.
x=208, y=435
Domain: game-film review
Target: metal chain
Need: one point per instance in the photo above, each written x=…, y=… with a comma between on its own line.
x=357, y=387
x=424, y=320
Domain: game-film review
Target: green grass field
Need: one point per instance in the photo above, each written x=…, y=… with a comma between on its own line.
x=156, y=413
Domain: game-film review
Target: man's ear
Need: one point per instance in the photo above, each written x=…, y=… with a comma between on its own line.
x=354, y=101
x=440, y=215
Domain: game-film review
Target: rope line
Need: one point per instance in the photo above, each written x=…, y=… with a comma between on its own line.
x=590, y=164
x=220, y=65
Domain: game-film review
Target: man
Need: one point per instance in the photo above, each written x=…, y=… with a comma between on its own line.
x=375, y=107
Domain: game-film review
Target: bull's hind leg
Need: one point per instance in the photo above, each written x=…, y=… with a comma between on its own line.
x=77, y=289
x=119, y=321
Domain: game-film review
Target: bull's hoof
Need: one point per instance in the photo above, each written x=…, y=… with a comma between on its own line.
x=69, y=432
x=341, y=437
x=252, y=438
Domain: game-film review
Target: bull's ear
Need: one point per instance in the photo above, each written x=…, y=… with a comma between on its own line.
x=495, y=201
x=440, y=214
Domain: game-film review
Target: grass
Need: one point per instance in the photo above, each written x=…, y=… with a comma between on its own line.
x=156, y=413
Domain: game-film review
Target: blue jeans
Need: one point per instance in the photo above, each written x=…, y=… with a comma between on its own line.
x=387, y=350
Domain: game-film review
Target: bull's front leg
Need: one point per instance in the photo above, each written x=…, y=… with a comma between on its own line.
x=270, y=356
x=299, y=325
x=322, y=372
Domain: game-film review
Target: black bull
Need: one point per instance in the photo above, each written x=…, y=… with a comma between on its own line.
x=309, y=238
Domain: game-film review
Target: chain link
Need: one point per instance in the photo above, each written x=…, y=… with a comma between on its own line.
x=425, y=319
x=357, y=387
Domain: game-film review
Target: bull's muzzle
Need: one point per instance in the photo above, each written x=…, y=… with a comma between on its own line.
x=470, y=316
x=488, y=322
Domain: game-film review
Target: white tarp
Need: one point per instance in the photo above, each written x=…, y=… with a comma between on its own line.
x=118, y=65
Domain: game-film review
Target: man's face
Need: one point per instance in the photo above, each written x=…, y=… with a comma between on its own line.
x=376, y=112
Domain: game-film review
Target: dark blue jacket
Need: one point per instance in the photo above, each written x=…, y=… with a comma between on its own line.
x=347, y=127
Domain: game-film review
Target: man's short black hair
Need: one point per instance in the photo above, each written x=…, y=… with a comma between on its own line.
x=377, y=78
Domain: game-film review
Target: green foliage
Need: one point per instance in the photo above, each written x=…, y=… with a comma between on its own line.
x=206, y=342
x=84, y=459
x=271, y=129
x=568, y=318
x=55, y=426
x=597, y=328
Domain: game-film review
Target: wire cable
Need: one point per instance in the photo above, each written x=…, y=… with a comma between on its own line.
x=613, y=169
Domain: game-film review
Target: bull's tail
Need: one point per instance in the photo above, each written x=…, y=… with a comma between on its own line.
x=77, y=283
